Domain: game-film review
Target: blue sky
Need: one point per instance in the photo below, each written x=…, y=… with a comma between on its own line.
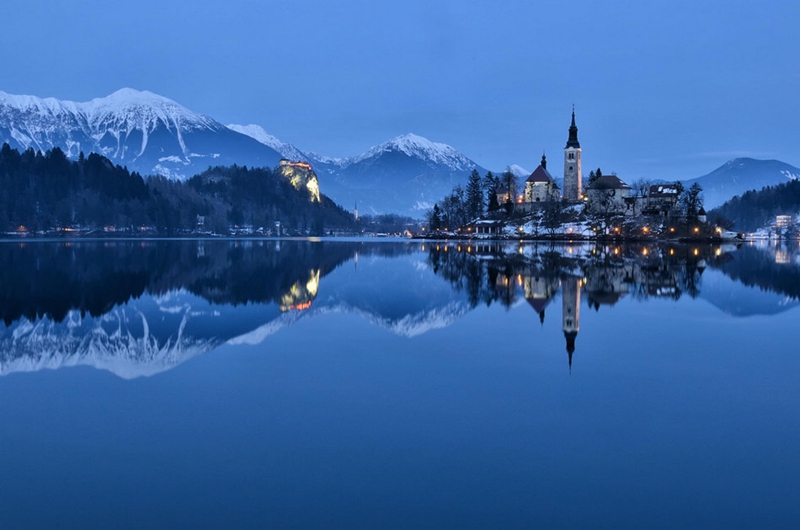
x=661, y=89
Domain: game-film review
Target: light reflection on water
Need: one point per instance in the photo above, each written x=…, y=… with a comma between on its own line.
x=266, y=383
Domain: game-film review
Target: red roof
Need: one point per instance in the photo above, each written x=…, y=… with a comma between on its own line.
x=538, y=304
x=609, y=182
x=540, y=175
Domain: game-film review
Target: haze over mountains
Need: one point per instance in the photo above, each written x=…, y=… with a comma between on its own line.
x=152, y=134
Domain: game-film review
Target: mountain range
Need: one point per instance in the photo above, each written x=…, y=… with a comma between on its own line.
x=740, y=175
x=152, y=134
x=152, y=333
x=407, y=174
x=146, y=132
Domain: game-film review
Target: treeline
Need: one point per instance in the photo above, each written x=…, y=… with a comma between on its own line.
x=47, y=191
x=757, y=209
x=260, y=197
x=479, y=197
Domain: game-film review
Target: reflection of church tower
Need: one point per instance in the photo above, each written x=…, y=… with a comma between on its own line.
x=571, y=312
x=539, y=290
x=573, y=186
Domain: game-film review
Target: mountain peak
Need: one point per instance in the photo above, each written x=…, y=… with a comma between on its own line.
x=519, y=171
x=413, y=145
x=742, y=174
x=131, y=95
x=415, y=142
x=125, y=99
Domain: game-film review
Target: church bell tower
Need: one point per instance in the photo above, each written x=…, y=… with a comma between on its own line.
x=573, y=176
x=570, y=312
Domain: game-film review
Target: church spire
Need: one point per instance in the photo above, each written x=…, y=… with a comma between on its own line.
x=573, y=132
x=544, y=161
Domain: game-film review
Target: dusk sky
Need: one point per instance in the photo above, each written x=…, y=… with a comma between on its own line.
x=662, y=89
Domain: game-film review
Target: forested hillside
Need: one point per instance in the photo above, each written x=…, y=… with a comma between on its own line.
x=757, y=209
x=47, y=191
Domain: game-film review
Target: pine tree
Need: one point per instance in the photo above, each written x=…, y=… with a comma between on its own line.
x=692, y=200
x=435, y=219
x=475, y=203
x=490, y=185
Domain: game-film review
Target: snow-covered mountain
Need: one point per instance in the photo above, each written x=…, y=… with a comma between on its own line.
x=258, y=133
x=408, y=174
x=519, y=171
x=437, y=155
x=740, y=175
x=152, y=134
x=138, y=129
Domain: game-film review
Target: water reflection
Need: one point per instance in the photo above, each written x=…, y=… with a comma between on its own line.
x=139, y=308
x=600, y=275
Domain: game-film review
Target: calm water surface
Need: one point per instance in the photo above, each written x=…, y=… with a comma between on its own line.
x=210, y=384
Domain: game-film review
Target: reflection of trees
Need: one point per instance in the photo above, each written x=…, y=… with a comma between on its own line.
x=463, y=272
x=505, y=272
x=756, y=267
x=51, y=279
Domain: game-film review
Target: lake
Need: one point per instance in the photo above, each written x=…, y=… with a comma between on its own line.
x=360, y=384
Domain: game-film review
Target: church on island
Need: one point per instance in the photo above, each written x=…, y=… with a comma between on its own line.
x=540, y=186
x=603, y=205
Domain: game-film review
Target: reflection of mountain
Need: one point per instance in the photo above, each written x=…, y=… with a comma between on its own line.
x=739, y=300
x=755, y=281
x=139, y=308
x=401, y=295
x=142, y=337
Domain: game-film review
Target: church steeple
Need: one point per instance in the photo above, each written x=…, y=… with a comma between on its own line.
x=571, y=312
x=573, y=172
x=570, y=336
x=573, y=133
x=544, y=161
